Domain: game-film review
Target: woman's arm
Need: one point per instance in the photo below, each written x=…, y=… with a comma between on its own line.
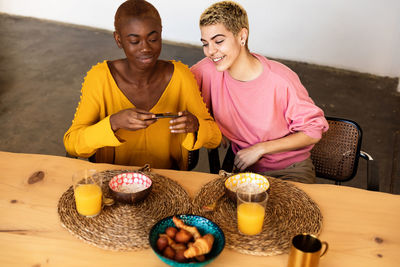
x=250, y=155
x=306, y=123
x=90, y=129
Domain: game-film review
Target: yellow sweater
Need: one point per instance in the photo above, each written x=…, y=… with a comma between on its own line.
x=91, y=131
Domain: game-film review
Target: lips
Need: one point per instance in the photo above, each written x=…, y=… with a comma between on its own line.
x=146, y=59
x=217, y=59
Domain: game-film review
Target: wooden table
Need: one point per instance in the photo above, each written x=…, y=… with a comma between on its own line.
x=361, y=227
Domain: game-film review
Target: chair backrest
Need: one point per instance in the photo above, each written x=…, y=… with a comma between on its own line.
x=336, y=155
x=193, y=159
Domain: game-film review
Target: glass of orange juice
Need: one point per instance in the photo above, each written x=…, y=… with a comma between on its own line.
x=251, y=204
x=87, y=192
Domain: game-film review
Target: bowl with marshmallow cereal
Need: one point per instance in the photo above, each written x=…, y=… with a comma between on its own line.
x=130, y=187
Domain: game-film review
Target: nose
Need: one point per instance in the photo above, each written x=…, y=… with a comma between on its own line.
x=211, y=49
x=145, y=47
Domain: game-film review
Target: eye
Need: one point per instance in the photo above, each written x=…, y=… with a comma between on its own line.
x=205, y=44
x=134, y=41
x=153, y=40
x=219, y=41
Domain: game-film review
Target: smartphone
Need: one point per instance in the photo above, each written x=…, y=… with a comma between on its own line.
x=166, y=115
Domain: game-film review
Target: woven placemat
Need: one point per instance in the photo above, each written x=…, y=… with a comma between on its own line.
x=125, y=227
x=289, y=211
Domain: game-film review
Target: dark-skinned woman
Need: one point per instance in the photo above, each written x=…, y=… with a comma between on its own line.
x=116, y=117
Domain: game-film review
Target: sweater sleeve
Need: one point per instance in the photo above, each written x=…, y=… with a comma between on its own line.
x=88, y=131
x=202, y=81
x=302, y=114
x=208, y=134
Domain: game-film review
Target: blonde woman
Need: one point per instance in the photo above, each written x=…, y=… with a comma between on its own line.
x=260, y=105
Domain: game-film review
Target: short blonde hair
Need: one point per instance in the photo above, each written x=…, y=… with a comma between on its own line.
x=232, y=15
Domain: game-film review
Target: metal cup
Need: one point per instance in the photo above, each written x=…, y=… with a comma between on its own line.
x=306, y=250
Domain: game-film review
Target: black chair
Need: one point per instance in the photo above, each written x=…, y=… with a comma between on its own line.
x=193, y=159
x=214, y=162
x=335, y=156
x=92, y=158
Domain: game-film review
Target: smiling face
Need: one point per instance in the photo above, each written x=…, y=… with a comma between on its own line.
x=221, y=45
x=140, y=38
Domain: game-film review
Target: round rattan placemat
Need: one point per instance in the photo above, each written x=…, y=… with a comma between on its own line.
x=122, y=226
x=290, y=211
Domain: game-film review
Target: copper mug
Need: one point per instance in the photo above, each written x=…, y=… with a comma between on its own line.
x=306, y=250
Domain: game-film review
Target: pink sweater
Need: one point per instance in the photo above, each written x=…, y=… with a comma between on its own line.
x=270, y=107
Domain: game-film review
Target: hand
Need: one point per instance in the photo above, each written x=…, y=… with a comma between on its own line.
x=132, y=119
x=186, y=123
x=248, y=156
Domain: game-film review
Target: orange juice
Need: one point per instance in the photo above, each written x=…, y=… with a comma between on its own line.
x=88, y=198
x=250, y=218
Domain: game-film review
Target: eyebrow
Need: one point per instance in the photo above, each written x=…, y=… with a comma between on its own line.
x=137, y=35
x=212, y=38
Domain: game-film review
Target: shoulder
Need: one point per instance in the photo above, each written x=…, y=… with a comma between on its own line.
x=98, y=70
x=179, y=66
x=206, y=73
x=182, y=70
x=97, y=79
x=279, y=71
x=203, y=66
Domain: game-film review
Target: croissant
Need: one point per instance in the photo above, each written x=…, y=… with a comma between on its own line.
x=201, y=246
x=191, y=229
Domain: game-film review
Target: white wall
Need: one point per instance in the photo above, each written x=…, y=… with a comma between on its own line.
x=360, y=35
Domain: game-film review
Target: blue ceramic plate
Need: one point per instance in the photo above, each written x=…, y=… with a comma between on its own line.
x=204, y=225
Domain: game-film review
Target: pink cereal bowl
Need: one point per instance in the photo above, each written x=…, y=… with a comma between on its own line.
x=130, y=187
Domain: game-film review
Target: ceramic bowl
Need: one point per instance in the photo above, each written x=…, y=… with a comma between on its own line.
x=234, y=181
x=204, y=226
x=130, y=187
